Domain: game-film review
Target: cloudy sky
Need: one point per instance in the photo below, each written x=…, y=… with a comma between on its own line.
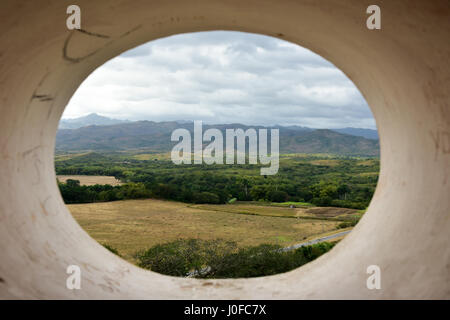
x=223, y=77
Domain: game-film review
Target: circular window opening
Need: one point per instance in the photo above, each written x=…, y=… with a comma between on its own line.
x=183, y=156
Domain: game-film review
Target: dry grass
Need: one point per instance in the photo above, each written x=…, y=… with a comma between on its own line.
x=366, y=174
x=369, y=162
x=152, y=156
x=63, y=157
x=138, y=224
x=278, y=211
x=91, y=180
x=249, y=209
x=325, y=162
x=330, y=212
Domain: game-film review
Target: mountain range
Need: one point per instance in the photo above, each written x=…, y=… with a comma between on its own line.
x=89, y=120
x=98, y=133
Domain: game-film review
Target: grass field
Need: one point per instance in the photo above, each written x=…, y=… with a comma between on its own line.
x=330, y=162
x=280, y=210
x=133, y=225
x=90, y=180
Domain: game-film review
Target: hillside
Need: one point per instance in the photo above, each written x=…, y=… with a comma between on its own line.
x=155, y=136
x=366, y=133
x=327, y=141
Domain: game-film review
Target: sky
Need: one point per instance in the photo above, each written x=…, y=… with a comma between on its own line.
x=223, y=77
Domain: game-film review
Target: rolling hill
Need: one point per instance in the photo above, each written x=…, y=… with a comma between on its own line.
x=155, y=136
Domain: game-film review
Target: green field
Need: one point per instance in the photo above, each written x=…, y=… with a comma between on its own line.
x=320, y=180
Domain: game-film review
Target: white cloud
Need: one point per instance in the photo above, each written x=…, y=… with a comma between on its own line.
x=223, y=77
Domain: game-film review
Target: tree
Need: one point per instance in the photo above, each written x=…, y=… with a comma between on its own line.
x=206, y=197
x=258, y=192
x=277, y=196
x=71, y=183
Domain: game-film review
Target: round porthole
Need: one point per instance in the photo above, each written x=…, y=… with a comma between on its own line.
x=398, y=69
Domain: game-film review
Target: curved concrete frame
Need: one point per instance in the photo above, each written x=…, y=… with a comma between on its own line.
x=402, y=70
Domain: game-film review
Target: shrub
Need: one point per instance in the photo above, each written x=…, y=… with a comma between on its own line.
x=206, y=197
x=182, y=256
x=277, y=196
x=111, y=248
x=223, y=259
x=347, y=224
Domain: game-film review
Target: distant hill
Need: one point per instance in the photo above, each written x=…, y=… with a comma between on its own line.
x=155, y=136
x=327, y=141
x=89, y=120
x=366, y=133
